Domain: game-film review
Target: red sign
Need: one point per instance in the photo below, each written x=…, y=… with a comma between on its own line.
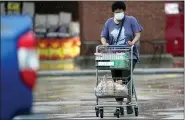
x=174, y=31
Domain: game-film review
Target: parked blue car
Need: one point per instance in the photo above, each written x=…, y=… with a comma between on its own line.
x=19, y=64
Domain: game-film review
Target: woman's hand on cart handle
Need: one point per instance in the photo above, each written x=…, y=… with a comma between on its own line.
x=131, y=43
x=97, y=54
x=106, y=44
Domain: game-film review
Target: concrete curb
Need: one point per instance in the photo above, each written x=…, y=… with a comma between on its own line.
x=138, y=71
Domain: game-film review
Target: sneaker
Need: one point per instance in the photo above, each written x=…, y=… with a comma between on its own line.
x=129, y=109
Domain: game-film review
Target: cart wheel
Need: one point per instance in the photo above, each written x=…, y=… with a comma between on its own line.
x=97, y=111
x=101, y=112
x=117, y=112
x=136, y=111
x=122, y=111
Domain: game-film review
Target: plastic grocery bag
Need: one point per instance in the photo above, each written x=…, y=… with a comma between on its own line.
x=105, y=87
x=120, y=90
x=109, y=88
x=100, y=88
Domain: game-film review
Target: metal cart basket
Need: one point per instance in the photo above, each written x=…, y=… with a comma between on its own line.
x=114, y=57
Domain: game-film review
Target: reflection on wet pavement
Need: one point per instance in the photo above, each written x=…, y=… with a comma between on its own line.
x=160, y=97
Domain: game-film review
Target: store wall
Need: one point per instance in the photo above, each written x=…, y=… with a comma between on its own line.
x=151, y=15
x=50, y=7
x=59, y=19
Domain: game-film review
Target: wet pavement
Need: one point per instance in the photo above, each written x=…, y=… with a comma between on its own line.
x=159, y=97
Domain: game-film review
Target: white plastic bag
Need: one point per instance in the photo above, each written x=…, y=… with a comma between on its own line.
x=120, y=90
x=100, y=88
x=109, y=88
x=105, y=87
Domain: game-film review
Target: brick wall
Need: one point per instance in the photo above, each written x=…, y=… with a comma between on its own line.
x=151, y=15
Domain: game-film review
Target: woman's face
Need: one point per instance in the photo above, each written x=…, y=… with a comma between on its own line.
x=119, y=14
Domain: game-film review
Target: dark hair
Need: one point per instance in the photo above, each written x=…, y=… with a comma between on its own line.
x=118, y=5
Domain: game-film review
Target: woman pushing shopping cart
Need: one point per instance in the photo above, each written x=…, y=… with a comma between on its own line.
x=119, y=53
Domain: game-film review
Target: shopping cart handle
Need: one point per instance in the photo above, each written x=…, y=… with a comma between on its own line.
x=126, y=46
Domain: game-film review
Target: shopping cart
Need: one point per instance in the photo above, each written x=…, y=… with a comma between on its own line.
x=115, y=57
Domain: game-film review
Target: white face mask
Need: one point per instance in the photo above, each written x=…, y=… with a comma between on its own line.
x=119, y=16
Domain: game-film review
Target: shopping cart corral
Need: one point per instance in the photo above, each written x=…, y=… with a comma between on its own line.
x=114, y=57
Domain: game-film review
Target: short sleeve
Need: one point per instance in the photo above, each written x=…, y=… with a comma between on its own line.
x=136, y=26
x=105, y=31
